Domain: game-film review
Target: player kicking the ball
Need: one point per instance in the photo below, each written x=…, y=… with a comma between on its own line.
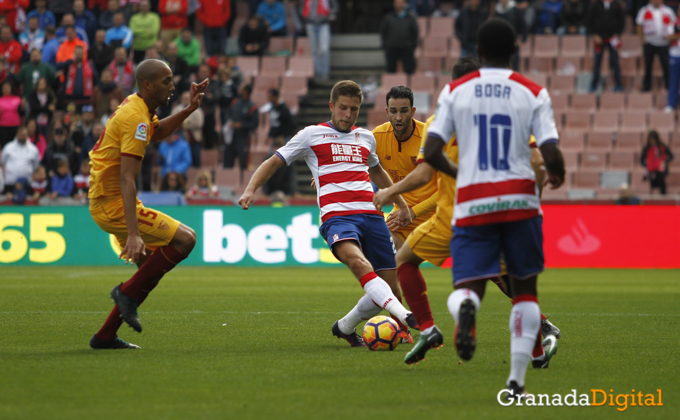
x=152, y=240
x=497, y=213
x=343, y=163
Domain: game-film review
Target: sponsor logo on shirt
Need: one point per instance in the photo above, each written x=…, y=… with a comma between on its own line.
x=142, y=131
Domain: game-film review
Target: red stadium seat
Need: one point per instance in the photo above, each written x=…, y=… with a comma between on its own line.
x=606, y=122
x=573, y=46
x=249, y=66
x=259, y=98
x=281, y=45
x=526, y=48
x=228, y=177
x=423, y=26
x=422, y=83
x=569, y=66
x=573, y=141
x=209, y=158
x=660, y=100
x=584, y=102
x=621, y=161
x=640, y=101
x=629, y=66
x=292, y=100
x=302, y=47
x=441, y=27
x=376, y=117
x=296, y=85
x=614, y=102
x=577, y=121
x=546, y=46
x=628, y=142
x=429, y=65
x=389, y=80
x=562, y=85
x=570, y=160
x=560, y=103
x=301, y=66
x=435, y=47
x=264, y=83
x=599, y=142
x=593, y=161
x=540, y=79
x=633, y=122
x=587, y=179
x=631, y=46
x=273, y=66
x=540, y=65
x=662, y=122
x=454, y=52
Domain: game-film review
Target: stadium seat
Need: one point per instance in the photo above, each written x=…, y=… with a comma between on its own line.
x=571, y=140
x=389, y=80
x=296, y=85
x=435, y=47
x=192, y=174
x=605, y=122
x=429, y=65
x=640, y=101
x=604, y=68
x=256, y=157
x=249, y=66
x=281, y=45
x=454, y=52
x=540, y=65
x=209, y=158
x=561, y=85
x=599, y=142
x=259, y=97
x=273, y=66
x=569, y=66
x=631, y=46
x=228, y=177
x=442, y=80
x=441, y=27
x=593, y=161
x=546, y=46
x=526, y=48
x=612, y=102
x=155, y=178
x=624, y=161
x=423, y=26
x=577, y=121
x=570, y=160
x=662, y=122
x=560, y=103
x=583, y=102
x=660, y=100
x=376, y=117
x=587, y=179
x=540, y=79
x=633, y=122
x=573, y=46
x=264, y=83
x=301, y=66
x=422, y=83
x=629, y=66
x=302, y=48
x=629, y=142
x=292, y=100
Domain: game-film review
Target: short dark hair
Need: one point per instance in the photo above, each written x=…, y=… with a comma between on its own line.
x=70, y=27
x=399, y=92
x=465, y=65
x=346, y=88
x=496, y=40
x=248, y=88
x=274, y=92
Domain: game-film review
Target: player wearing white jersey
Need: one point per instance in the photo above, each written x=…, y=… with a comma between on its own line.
x=497, y=210
x=343, y=162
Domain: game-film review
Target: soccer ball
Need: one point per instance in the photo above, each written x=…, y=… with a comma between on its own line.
x=381, y=333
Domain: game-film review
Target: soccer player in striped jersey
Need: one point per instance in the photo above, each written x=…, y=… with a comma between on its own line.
x=497, y=212
x=343, y=163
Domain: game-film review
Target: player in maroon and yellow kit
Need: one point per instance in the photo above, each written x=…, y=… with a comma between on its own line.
x=152, y=240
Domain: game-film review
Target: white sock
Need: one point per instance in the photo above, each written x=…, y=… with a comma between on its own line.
x=381, y=293
x=456, y=299
x=364, y=310
x=525, y=320
x=427, y=331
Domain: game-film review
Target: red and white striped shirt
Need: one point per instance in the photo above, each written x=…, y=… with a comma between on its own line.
x=493, y=112
x=339, y=163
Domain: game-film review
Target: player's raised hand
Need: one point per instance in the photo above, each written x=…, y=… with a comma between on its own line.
x=381, y=198
x=246, y=200
x=196, y=95
x=134, y=249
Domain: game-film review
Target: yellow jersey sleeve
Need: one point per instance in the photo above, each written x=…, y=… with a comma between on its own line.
x=135, y=133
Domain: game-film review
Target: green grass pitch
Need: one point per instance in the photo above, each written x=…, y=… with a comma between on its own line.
x=244, y=343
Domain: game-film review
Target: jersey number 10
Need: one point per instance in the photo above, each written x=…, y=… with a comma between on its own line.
x=499, y=128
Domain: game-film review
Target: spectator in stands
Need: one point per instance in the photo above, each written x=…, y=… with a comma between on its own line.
x=10, y=10
x=39, y=183
x=211, y=108
x=203, y=188
x=11, y=108
x=32, y=71
x=145, y=26
x=106, y=17
x=60, y=8
x=655, y=23
x=605, y=23
x=172, y=181
x=61, y=148
x=90, y=141
x=84, y=19
x=69, y=20
x=42, y=104
x=62, y=181
x=192, y=128
x=179, y=67
x=119, y=34
x=467, y=25
x=173, y=18
x=100, y=53
x=508, y=11
x=45, y=17
x=123, y=71
x=674, y=67
x=399, y=35
x=49, y=50
x=228, y=90
x=80, y=77
x=19, y=157
x=548, y=16
x=274, y=13
x=654, y=158
x=243, y=120
x=573, y=18
x=10, y=48
x=20, y=193
x=253, y=38
x=113, y=106
x=189, y=48
x=282, y=129
x=82, y=181
x=174, y=155
x=83, y=129
x=214, y=15
x=36, y=137
x=5, y=74
x=104, y=92
x=627, y=197
x=32, y=37
x=67, y=48
x=318, y=15
x=423, y=7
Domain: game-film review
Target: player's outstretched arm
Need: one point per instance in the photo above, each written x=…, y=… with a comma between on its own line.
x=129, y=171
x=416, y=179
x=435, y=156
x=554, y=164
x=168, y=125
x=538, y=165
x=261, y=175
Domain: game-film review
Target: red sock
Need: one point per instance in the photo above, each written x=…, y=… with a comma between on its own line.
x=538, y=348
x=160, y=262
x=415, y=291
x=109, y=330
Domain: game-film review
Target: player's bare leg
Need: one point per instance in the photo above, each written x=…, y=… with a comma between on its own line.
x=463, y=305
x=377, y=290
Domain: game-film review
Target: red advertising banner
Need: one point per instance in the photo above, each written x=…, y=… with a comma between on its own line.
x=611, y=236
